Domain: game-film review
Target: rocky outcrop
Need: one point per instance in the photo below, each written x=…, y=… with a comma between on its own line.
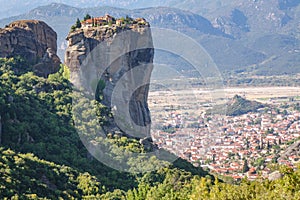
x=236, y=24
x=34, y=41
x=122, y=58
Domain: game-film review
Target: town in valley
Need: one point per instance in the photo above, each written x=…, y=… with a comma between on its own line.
x=247, y=145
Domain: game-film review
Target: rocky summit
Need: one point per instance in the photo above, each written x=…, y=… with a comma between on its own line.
x=118, y=55
x=33, y=40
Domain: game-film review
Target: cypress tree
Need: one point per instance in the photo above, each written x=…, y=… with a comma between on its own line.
x=78, y=23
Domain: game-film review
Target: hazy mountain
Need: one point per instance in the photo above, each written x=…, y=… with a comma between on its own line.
x=263, y=16
x=16, y=7
x=235, y=35
x=61, y=17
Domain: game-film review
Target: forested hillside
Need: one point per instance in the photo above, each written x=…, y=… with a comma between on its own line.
x=36, y=118
x=42, y=155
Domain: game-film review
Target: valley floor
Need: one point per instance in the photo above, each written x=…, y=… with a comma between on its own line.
x=237, y=146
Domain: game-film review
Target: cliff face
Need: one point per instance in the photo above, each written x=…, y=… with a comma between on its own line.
x=122, y=58
x=34, y=41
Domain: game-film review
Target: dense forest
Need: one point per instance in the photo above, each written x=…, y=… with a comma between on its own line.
x=42, y=156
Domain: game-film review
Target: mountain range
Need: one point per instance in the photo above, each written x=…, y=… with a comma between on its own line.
x=238, y=35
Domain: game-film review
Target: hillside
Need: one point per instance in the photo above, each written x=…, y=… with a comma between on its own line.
x=36, y=118
x=39, y=123
x=233, y=38
x=26, y=176
x=237, y=106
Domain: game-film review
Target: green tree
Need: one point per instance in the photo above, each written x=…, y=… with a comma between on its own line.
x=78, y=23
x=88, y=184
x=245, y=166
x=73, y=28
x=87, y=16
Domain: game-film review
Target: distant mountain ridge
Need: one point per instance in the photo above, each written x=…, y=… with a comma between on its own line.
x=61, y=17
x=270, y=14
x=231, y=35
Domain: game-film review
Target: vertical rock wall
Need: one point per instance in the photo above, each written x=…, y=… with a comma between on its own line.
x=122, y=58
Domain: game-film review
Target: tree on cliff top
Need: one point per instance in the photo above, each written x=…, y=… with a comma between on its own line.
x=87, y=16
x=78, y=23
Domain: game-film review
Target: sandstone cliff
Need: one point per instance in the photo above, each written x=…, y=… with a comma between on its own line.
x=122, y=58
x=33, y=40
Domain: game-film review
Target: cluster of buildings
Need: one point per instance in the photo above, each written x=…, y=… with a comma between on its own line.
x=223, y=143
x=107, y=19
x=97, y=21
